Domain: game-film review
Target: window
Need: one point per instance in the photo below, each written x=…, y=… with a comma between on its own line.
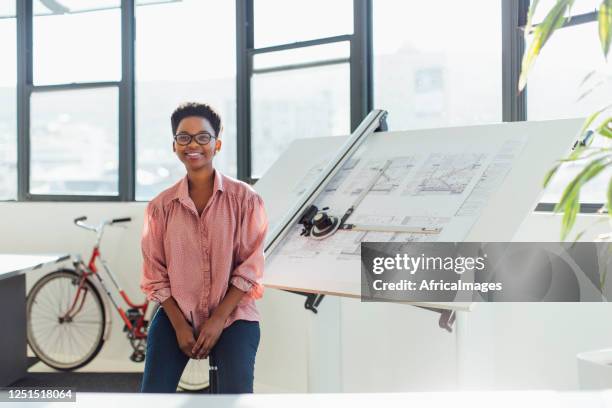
x=8, y=101
x=437, y=63
x=554, y=91
x=74, y=99
x=303, y=55
x=83, y=45
x=74, y=142
x=434, y=65
x=185, y=51
x=300, y=79
x=289, y=104
x=287, y=21
x=554, y=85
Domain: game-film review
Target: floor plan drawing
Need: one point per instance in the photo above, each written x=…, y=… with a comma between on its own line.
x=444, y=174
x=390, y=180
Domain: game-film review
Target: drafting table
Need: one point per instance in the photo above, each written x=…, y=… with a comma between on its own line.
x=496, y=219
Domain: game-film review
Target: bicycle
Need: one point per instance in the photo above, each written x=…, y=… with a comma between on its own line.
x=66, y=315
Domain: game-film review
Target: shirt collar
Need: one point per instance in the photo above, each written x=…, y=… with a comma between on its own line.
x=182, y=193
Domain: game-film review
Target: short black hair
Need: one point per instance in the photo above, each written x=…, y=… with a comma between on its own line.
x=196, y=109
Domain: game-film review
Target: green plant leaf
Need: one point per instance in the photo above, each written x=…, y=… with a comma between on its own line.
x=609, y=202
x=590, y=90
x=569, y=216
x=567, y=193
x=595, y=151
x=589, y=120
x=605, y=129
x=594, y=168
x=530, y=14
x=579, y=235
x=549, y=175
x=570, y=200
x=541, y=34
x=577, y=153
x=605, y=26
x=587, y=77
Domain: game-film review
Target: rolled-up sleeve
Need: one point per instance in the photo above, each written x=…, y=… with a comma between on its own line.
x=154, y=281
x=248, y=272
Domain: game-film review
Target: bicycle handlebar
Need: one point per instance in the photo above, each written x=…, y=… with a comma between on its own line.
x=81, y=218
x=79, y=222
x=116, y=220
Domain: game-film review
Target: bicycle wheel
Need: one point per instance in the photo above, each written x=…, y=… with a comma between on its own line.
x=65, y=342
x=195, y=375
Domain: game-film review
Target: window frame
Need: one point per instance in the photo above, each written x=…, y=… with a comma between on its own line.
x=514, y=104
x=26, y=87
x=16, y=4
x=360, y=67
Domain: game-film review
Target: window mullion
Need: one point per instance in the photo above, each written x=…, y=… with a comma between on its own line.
x=24, y=83
x=127, y=137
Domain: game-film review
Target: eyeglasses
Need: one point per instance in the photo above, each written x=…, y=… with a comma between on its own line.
x=185, y=138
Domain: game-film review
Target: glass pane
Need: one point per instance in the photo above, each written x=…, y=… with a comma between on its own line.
x=173, y=65
x=81, y=47
x=302, y=55
x=555, y=90
x=431, y=68
x=579, y=7
x=7, y=8
x=74, y=142
x=554, y=84
x=283, y=22
x=296, y=104
x=73, y=6
x=154, y=2
x=8, y=102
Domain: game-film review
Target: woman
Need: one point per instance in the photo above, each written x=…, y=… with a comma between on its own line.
x=202, y=246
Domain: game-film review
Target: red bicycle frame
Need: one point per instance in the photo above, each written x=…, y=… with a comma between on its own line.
x=85, y=271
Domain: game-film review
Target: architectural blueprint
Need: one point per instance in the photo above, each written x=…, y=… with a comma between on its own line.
x=438, y=190
x=474, y=183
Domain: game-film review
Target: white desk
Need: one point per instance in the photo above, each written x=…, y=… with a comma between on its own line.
x=13, y=342
x=472, y=399
x=15, y=264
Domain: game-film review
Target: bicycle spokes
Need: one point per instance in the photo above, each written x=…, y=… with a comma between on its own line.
x=78, y=300
x=195, y=375
x=65, y=322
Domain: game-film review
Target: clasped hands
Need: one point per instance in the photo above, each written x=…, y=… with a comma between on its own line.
x=209, y=334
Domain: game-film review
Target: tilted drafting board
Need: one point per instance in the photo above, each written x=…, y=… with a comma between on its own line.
x=474, y=183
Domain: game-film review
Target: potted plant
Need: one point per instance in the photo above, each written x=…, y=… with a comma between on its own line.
x=598, y=124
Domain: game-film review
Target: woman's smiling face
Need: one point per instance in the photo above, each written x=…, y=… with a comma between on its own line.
x=194, y=155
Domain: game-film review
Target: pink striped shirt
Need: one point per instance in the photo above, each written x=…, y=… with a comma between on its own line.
x=194, y=258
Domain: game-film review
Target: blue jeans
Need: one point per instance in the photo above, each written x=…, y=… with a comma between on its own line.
x=234, y=355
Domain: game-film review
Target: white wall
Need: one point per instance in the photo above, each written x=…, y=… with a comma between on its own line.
x=352, y=346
